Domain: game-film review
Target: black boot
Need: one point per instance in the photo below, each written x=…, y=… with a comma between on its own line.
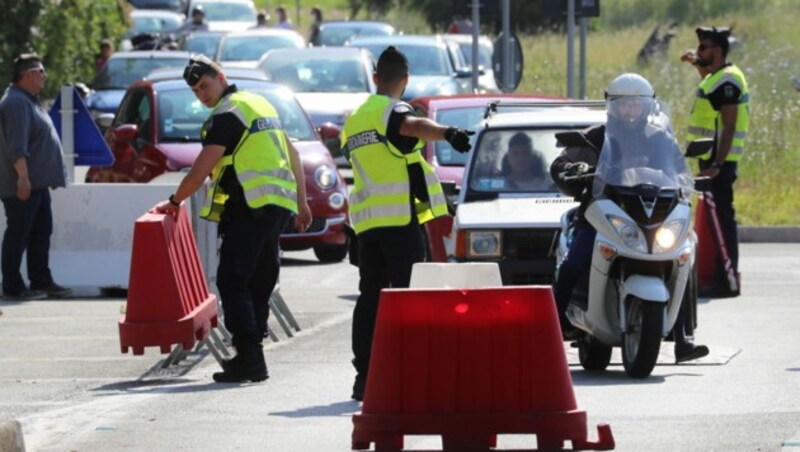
x=247, y=365
x=686, y=350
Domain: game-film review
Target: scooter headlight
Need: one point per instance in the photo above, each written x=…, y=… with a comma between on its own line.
x=630, y=234
x=667, y=236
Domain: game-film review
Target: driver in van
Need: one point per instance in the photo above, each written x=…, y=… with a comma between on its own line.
x=629, y=100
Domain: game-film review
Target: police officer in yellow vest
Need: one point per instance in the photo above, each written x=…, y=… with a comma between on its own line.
x=720, y=112
x=395, y=190
x=256, y=185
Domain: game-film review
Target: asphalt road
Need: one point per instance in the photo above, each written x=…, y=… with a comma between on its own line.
x=63, y=377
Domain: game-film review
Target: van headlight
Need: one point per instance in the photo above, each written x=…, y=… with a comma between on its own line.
x=667, y=236
x=629, y=233
x=484, y=244
x=325, y=177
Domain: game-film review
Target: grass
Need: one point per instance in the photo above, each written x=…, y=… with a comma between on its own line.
x=765, y=191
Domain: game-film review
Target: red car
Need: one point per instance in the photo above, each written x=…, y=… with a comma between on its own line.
x=156, y=131
x=465, y=111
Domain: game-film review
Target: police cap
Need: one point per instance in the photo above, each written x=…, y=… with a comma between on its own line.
x=198, y=66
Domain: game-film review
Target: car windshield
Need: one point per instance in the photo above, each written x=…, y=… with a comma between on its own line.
x=118, y=73
x=228, y=11
x=203, y=43
x=181, y=115
x=315, y=73
x=250, y=48
x=155, y=24
x=422, y=59
x=338, y=36
x=640, y=152
x=470, y=118
x=484, y=54
x=514, y=161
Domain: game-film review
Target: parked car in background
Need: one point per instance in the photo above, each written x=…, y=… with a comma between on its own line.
x=178, y=6
x=486, y=81
x=245, y=48
x=122, y=69
x=337, y=33
x=329, y=82
x=509, y=209
x=226, y=15
x=437, y=67
x=464, y=111
x=205, y=42
x=157, y=132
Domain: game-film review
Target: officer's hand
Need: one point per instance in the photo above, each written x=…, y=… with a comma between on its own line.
x=303, y=218
x=459, y=138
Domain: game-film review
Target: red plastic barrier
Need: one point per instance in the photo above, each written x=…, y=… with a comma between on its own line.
x=468, y=365
x=168, y=298
x=706, y=256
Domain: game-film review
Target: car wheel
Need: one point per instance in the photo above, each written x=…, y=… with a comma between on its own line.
x=330, y=253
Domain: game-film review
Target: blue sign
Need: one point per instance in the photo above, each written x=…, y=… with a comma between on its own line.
x=91, y=148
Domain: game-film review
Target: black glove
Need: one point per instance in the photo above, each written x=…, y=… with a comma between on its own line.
x=458, y=138
x=577, y=168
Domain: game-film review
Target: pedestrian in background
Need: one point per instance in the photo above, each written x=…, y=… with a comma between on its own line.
x=395, y=190
x=31, y=163
x=106, y=50
x=257, y=184
x=262, y=21
x=460, y=25
x=313, y=34
x=720, y=112
x=196, y=22
x=283, y=19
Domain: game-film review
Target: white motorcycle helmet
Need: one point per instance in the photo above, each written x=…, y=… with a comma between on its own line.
x=630, y=99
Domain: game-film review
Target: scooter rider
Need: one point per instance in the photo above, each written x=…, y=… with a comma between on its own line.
x=629, y=100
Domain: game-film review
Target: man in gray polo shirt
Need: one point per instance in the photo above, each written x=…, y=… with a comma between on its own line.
x=31, y=164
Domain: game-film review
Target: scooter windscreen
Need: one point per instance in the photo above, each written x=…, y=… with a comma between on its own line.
x=640, y=149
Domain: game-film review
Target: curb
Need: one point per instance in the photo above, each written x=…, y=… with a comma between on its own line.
x=11, y=437
x=769, y=234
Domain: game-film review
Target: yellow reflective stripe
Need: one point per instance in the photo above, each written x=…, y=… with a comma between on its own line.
x=260, y=191
x=278, y=173
x=389, y=188
x=380, y=213
x=702, y=131
x=739, y=135
x=736, y=150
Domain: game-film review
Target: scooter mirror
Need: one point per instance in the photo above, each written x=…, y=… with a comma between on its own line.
x=699, y=147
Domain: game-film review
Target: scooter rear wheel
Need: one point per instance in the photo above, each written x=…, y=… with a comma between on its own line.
x=593, y=355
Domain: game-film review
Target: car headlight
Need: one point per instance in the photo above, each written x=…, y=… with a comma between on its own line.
x=484, y=244
x=667, y=236
x=325, y=177
x=631, y=235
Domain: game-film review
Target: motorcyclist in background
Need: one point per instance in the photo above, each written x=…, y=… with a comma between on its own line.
x=630, y=99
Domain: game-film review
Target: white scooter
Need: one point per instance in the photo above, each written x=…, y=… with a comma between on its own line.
x=643, y=255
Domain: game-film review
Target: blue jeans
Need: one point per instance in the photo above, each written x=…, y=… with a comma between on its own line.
x=29, y=225
x=576, y=263
x=249, y=265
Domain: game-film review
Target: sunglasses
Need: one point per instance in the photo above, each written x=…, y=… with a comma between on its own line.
x=40, y=70
x=704, y=47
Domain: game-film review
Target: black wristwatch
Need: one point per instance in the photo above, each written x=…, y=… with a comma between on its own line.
x=173, y=202
x=716, y=165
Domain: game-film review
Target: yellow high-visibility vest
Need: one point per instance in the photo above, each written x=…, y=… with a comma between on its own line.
x=261, y=158
x=704, y=121
x=381, y=195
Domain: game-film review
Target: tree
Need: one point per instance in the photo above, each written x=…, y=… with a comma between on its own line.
x=65, y=33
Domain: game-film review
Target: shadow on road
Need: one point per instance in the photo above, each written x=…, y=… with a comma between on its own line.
x=333, y=409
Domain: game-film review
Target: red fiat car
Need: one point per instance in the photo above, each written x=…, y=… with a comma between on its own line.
x=156, y=132
x=465, y=111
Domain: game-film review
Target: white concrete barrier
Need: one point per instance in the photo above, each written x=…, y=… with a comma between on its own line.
x=466, y=275
x=93, y=232
x=11, y=439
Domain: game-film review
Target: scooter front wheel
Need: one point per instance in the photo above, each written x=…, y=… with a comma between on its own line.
x=641, y=341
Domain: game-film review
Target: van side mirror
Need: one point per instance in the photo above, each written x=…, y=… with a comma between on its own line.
x=126, y=133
